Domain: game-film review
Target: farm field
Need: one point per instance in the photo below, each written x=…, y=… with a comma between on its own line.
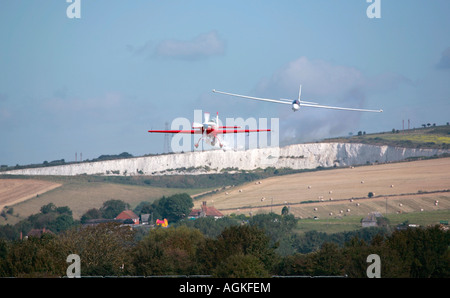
x=333, y=196
x=350, y=223
x=398, y=188
x=13, y=191
x=77, y=193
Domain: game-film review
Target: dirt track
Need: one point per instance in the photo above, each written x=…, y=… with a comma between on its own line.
x=338, y=190
x=13, y=191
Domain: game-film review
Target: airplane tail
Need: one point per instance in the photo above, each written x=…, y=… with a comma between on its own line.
x=300, y=92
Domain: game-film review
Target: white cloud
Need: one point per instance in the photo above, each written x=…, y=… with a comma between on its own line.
x=317, y=77
x=200, y=47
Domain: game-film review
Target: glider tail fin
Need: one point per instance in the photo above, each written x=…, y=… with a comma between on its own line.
x=300, y=92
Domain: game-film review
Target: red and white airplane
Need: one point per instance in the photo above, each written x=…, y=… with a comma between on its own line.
x=297, y=103
x=210, y=130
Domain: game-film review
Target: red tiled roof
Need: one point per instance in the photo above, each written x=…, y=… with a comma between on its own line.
x=211, y=211
x=207, y=211
x=127, y=214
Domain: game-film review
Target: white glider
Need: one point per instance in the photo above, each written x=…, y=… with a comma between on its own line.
x=297, y=103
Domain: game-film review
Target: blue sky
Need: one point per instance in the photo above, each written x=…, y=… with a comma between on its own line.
x=96, y=84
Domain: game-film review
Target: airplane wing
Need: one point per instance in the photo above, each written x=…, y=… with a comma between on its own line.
x=192, y=131
x=240, y=131
x=338, y=108
x=302, y=103
x=256, y=98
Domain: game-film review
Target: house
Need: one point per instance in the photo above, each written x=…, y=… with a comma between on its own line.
x=370, y=220
x=128, y=216
x=39, y=232
x=145, y=219
x=205, y=211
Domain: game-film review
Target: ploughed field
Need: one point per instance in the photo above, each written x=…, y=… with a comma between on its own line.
x=13, y=191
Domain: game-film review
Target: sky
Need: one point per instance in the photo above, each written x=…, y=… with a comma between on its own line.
x=96, y=84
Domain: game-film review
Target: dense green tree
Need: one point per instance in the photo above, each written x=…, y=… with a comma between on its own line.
x=9, y=232
x=149, y=259
x=104, y=249
x=279, y=228
x=168, y=251
x=246, y=240
x=355, y=253
x=34, y=257
x=424, y=251
x=241, y=266
x=175, y=207
x=143, y=208
x=112, y=208
x=276, y=226
x=296, y=264
x=328, y=260
x=93, y=213
x=56, y=219
x=61, y=223
x=3, y=249
x=64, y=210
x=50, y=207
x=209, y=226
x=311, y=241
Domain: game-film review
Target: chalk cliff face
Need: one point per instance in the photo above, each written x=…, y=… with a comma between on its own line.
x=300, y=156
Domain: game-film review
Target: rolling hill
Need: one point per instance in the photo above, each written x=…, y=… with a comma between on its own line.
x=431, y=137
x=333, y=193
x=78, y=193
x=397, y=187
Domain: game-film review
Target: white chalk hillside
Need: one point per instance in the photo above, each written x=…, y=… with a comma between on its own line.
x=300, y=156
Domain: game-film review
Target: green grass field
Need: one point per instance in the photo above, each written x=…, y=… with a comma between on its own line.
x=436, y=137
x=351, y=223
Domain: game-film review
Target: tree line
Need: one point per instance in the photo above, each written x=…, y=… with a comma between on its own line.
x=235, y=246
x=60, y=162
x=235, y=249
x=60, y=219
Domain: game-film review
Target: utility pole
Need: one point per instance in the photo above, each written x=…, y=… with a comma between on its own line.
x=166, y=139
x=386, y=206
